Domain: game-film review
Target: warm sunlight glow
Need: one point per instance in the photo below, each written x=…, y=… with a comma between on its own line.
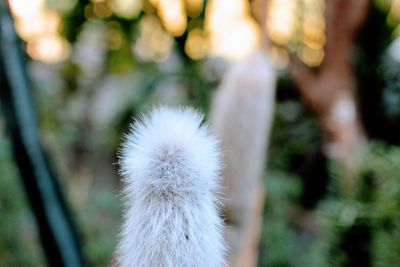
x=48, y=48
x=312, y=57
x=39, y=26
x=194, y=7
x=297, y=26
x=45, y=21
x=233, y=33
x=153, y=44
x=173, y=16
x=313, y=32
x=281, y=20
x=26, y=9
x=127, y=8
x=196, y=44
x=154, y=2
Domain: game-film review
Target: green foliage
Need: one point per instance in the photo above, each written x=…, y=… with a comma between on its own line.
x=19, y=244
x=361, y=229
x=283, y=244
x=364, y=227
x=99, y=215
x=380, y=196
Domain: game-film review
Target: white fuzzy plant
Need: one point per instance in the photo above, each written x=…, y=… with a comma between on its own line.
x=170, y=164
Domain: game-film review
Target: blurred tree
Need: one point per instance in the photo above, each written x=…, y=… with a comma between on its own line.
x=349, y=61
x=331, y=89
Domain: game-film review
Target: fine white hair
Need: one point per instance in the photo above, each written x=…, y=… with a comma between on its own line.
x=170, y=164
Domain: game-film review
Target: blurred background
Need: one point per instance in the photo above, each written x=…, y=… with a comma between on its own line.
x=332, y=175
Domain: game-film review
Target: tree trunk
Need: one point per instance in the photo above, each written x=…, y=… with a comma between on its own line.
x=330, y=91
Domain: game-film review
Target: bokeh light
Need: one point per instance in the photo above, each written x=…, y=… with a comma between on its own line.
x=154, y=43
x=281, y=20
x=173, y=16
x=232, y=31
x=196, y=44
x=127, y=8
x=229, y=31
x=298, y=26
x=26, y=9
x=39, y=26
x=44, y=21
x=48, y=48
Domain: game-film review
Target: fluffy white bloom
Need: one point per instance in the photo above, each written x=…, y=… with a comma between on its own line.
x=170, y=164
